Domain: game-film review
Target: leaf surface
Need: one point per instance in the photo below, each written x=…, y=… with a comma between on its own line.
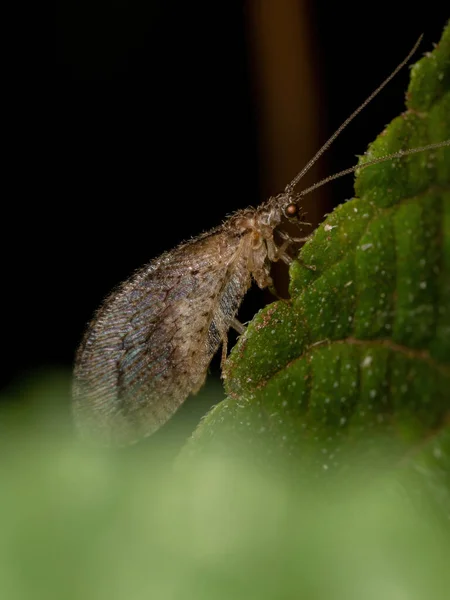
x=362, y=349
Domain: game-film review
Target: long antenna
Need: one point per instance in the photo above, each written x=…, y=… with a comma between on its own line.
x=375, y=161
x=290, y=187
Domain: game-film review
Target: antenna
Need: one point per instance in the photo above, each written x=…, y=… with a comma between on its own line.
x=290, y=187
x=369, y=163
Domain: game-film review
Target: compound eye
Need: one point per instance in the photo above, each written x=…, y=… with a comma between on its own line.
x=291, y=210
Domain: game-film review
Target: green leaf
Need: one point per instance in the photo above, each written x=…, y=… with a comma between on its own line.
x=362, y=349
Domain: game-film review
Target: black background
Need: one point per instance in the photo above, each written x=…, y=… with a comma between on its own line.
x=144, y=132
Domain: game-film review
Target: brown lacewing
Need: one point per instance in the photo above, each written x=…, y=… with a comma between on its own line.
x=150, y=343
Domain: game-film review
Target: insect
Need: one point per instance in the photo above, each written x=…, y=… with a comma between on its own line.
x=150, y=343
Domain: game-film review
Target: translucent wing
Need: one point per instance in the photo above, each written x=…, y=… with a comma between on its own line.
x=150, y=343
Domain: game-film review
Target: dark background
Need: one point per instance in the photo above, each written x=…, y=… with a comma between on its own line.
x=144, y=132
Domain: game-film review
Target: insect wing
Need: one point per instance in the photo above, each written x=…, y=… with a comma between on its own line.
x=150, y=343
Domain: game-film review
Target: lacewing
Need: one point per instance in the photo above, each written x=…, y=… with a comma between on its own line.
x=150, y=343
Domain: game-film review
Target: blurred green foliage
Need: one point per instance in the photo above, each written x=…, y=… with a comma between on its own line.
x=81, y=523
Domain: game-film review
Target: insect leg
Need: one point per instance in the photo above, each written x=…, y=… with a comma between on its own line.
x=237, y=326
x=286, y=236
x=224, y=350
